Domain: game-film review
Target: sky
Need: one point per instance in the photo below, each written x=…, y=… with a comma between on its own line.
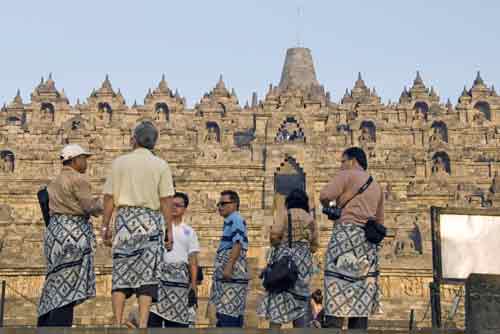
x=193, y=42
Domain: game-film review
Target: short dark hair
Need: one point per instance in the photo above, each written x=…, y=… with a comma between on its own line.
x=358, y=154
x=146, y=134
x=233, y=195
x=297, y=199
x=317, y=296
x=184, y=197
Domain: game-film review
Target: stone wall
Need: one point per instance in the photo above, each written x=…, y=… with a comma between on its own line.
x=422, y=152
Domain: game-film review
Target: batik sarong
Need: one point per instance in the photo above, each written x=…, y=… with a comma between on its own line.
x=289, y=305
x=229, y=296
x=351, y=273
x=137, y=248
x=69, y=246
x=173, y=293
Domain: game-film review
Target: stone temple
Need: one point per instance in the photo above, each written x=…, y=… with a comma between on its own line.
x=422, y=151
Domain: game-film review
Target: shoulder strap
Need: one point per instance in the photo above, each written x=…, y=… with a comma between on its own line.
x=360, y=191
x=289, y=229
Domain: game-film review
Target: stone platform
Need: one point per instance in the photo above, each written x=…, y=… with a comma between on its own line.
x=31, y=330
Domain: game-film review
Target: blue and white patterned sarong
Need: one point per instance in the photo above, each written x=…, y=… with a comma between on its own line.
x=69, y=246
x=229, y=296
x=173, y=293
x=289, y=305
x=351, y=273
x=138, y=248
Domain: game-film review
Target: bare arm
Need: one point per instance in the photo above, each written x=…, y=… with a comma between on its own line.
x=333, y=190
x=109, y=207
x=278, y=227
x=275, y=237
x=166, y=210
x=193, y=268
x=233, y=257
x=380, y=209
x=82, y=190
x=91, y=206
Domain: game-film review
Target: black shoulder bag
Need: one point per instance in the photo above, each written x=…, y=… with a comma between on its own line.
x=374, y=231
x=281, y=275
x=43, y=200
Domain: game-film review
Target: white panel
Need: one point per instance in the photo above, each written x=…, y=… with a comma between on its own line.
x=469, y=244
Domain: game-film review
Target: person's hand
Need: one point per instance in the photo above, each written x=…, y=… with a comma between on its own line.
x=106, y=235
x=228, y=272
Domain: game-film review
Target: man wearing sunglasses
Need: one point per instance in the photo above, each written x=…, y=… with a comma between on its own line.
x=176, y=268
x=230, y=278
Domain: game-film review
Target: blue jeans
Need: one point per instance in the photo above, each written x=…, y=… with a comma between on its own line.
x=228, y=321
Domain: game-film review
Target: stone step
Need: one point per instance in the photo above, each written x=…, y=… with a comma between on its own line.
x=28, y=330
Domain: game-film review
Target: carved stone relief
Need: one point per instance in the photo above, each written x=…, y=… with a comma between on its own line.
x=7, y=162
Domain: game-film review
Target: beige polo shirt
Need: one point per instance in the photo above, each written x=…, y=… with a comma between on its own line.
x=139, y=179
x=70, y=194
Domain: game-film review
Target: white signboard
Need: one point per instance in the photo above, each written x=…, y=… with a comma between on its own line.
x=469, y=244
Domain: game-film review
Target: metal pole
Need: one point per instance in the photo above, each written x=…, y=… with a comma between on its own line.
x=2, y=303
x=412, y=319
x=435, y=304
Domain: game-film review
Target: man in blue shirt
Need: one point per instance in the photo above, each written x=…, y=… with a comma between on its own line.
x=230, y=279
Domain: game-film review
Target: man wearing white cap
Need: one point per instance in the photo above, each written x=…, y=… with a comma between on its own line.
x=69, y=241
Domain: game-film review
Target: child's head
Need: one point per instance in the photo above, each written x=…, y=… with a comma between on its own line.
x=317, y=296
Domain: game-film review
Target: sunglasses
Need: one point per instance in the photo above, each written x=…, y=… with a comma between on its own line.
x=223, y=203
x=178, y=205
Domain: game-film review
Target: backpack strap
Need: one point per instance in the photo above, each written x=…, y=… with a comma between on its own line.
x=289, y=229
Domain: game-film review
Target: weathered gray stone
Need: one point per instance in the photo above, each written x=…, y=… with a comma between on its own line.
x=298, y=70
x=482, y=304
x=218, y=145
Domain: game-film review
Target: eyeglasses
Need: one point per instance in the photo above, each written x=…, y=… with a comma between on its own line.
x=178, y=205
x=223, y=203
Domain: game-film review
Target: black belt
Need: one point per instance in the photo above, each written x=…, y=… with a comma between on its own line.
x=233, y=280
x=174, y=284
x=349, y=278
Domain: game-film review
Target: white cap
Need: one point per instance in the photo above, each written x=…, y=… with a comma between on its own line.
x=72, y=151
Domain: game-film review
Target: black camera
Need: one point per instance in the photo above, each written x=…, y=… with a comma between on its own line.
x=333, y=212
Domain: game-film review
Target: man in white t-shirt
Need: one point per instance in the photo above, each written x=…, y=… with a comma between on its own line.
x=178, y=265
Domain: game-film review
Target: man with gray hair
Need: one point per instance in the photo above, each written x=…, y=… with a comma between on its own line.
x=140, y=187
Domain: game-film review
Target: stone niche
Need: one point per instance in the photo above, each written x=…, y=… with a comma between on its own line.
x=421, y=152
